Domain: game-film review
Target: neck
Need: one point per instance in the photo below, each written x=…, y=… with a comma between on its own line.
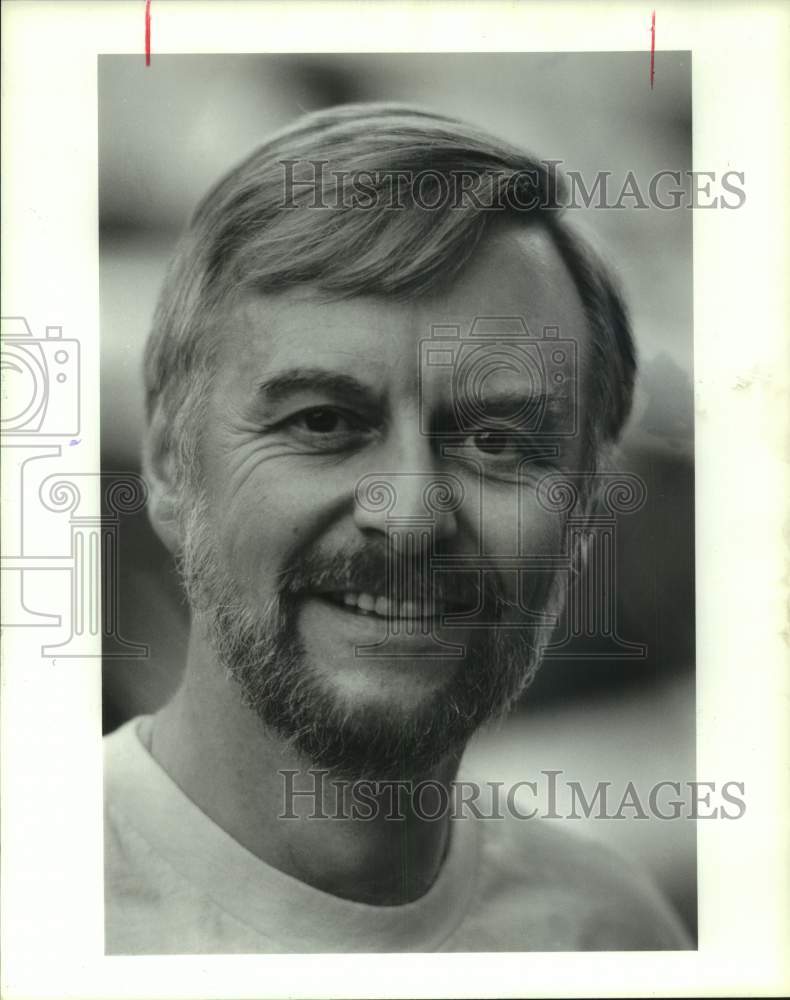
x=309, y=824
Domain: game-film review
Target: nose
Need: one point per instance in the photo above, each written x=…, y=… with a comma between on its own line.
x=409, y=508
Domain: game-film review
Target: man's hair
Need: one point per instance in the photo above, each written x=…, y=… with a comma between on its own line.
x=258, y=229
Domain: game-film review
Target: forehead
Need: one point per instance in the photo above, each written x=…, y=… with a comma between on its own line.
x=513, y=274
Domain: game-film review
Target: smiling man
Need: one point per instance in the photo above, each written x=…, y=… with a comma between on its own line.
x=376, y=346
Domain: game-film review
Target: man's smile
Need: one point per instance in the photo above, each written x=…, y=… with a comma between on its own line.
x=426, y=608
x=412, y=628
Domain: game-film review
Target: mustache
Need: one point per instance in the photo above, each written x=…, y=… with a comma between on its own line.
x=384, y=572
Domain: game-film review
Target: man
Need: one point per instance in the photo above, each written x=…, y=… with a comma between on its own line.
x=377, y=349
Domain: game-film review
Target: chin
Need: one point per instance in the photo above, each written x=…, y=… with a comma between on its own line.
x=384, y=682
x=383, y=720
x=313, y=677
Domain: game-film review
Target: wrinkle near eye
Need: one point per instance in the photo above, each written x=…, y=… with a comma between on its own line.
x=246, y=453
x=246, y=458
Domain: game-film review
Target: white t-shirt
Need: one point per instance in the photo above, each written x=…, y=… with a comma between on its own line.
x=176, y=883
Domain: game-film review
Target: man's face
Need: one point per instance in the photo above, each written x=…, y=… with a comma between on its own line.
x=347, y=553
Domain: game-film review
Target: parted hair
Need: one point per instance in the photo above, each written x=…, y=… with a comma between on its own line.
x=250, y=233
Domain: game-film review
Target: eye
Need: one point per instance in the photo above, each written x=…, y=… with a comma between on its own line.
x=505, y=455
x=497, y=445
x=326, y=428
x=490, y=443
x=321, y=420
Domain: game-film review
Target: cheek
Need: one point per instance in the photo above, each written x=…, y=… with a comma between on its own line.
x=258, y=537
x=506, y=522
x=540, y=532
x=266, y=523
x=511, y=522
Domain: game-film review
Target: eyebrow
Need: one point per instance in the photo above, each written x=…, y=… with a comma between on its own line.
x=279, y=386
x=499, y=406
x=505, y=403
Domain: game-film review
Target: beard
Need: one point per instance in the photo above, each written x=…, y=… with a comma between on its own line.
x=261, y=651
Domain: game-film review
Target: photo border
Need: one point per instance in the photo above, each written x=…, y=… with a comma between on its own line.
x=52, y=904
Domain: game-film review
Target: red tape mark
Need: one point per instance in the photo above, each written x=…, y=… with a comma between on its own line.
x=653, y=50
x=147, y=32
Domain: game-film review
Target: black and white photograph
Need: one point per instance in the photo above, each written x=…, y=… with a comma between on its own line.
x=394, y=477
x=410, y=605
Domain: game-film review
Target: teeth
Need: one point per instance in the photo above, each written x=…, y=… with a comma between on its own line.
x=385, y=608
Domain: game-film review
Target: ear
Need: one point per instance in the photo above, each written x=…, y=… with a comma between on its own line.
x=159, y=471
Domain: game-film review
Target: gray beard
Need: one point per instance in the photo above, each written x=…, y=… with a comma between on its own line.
x=261, y=651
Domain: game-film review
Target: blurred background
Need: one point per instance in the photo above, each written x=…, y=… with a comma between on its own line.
x=168, y=131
